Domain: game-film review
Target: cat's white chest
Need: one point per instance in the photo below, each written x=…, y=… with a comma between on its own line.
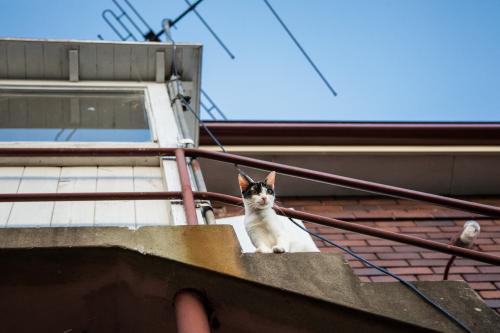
x=264, y=229
x=268, y=234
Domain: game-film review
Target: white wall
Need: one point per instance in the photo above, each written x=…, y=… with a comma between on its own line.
x=246, y=244
x=82, y=213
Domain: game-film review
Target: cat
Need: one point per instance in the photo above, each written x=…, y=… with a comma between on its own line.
x=265, y=228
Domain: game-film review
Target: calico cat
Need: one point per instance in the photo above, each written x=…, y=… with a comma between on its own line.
x=265, y=228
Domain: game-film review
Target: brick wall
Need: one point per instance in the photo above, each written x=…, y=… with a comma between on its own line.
x=410, y=262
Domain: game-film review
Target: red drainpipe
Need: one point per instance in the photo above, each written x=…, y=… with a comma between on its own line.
x=190, y=314
x=187, y=192
x=323, y=220
x=358, y=184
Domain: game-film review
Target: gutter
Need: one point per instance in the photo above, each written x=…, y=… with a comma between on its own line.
x=352, y=133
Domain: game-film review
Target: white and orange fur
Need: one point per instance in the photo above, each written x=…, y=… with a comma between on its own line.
x=265, y=228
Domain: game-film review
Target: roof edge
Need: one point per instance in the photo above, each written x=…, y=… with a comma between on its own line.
x=352, y=133
x=96, y=41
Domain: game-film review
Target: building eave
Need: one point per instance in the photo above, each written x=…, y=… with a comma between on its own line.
x=447, y=158
x=352, y=133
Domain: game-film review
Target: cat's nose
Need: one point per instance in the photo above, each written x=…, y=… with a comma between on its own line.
x=263, y=199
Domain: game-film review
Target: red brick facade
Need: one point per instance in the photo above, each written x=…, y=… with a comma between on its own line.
x=418, y=219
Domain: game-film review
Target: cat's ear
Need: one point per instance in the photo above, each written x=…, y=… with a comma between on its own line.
x=270, y=178
x=244, y=182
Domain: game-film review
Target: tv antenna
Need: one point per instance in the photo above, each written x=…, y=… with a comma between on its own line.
x=134, y=27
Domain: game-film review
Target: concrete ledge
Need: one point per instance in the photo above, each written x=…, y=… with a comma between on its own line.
x=277, y=293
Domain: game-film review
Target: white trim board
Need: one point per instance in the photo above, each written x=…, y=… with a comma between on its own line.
x=356, y=149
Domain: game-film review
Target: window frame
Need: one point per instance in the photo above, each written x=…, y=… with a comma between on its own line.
x=158, y=110
x=110, y=87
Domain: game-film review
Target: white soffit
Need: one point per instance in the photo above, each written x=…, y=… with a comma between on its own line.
x=43, y=59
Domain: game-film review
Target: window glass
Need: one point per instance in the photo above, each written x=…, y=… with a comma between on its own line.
x=73, y=116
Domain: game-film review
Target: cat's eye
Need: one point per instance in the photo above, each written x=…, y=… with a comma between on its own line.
x=270, y=191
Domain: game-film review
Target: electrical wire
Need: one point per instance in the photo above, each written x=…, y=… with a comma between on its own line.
x=209, y=28
x=407, y=284
x=209, y=132
x=182, y=98
x=365, y=261
x=304, y=53
x=167, y=24
x=385, y=271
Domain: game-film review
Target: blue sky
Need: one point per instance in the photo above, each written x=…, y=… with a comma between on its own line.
x=400, y=60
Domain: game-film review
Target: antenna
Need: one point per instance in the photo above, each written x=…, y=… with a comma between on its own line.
x=221, y=43
x=301, y=48
x=123, y=26
x=125, y=21
x=180, y=17
x=212, y=106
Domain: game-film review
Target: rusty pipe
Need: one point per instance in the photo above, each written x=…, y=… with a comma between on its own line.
x=207, y=210
x=348, y=182
x=190, y=314
x=366, y=230
x=187, y=191
x=89, y=196
x=353, y=183
x=26, y=152
x=228, y=199
x=401, y=238
x=448, y=266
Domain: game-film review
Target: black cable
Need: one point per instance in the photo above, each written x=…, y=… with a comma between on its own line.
x=383, y=270
x=410, y=286
x=209, y=132
x=304, y=53
x=221, y=43
x=365, y=261
x=167, y=24
x=214, y=106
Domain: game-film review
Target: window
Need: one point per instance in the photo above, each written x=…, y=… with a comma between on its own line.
x=73, y=116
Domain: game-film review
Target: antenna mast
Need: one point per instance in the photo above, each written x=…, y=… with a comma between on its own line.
x=126, y=28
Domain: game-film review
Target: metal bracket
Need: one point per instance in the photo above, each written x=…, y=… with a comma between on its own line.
x=176, y=202
x=74, y=75
x=186, y=143
x=160, y=66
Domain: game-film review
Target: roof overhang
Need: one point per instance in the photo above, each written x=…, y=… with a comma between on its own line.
x=446, y=158
x=351, y=133
x=73, y=61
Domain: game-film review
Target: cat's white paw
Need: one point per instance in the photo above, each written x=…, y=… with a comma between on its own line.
x=263, y=250
x=278, y=249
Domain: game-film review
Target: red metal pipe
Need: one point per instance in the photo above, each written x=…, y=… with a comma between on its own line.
x=187, y=191
x=190, y=314
x=26, y=152
x=372, y=187
x=448, y=266
x=228, y=199
x=89, y=196
x=362, y=229
x=353, y=183
x=413, y=218
x=401, y=238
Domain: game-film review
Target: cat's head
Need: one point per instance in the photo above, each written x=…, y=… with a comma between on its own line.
x=257, y=195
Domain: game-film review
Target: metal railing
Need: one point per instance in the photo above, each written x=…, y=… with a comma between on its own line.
x=188, y=196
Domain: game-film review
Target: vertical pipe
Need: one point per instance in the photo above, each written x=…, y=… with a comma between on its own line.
x=190, y=314
x=175, y=89
x=187, y=192
x=207, y=210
